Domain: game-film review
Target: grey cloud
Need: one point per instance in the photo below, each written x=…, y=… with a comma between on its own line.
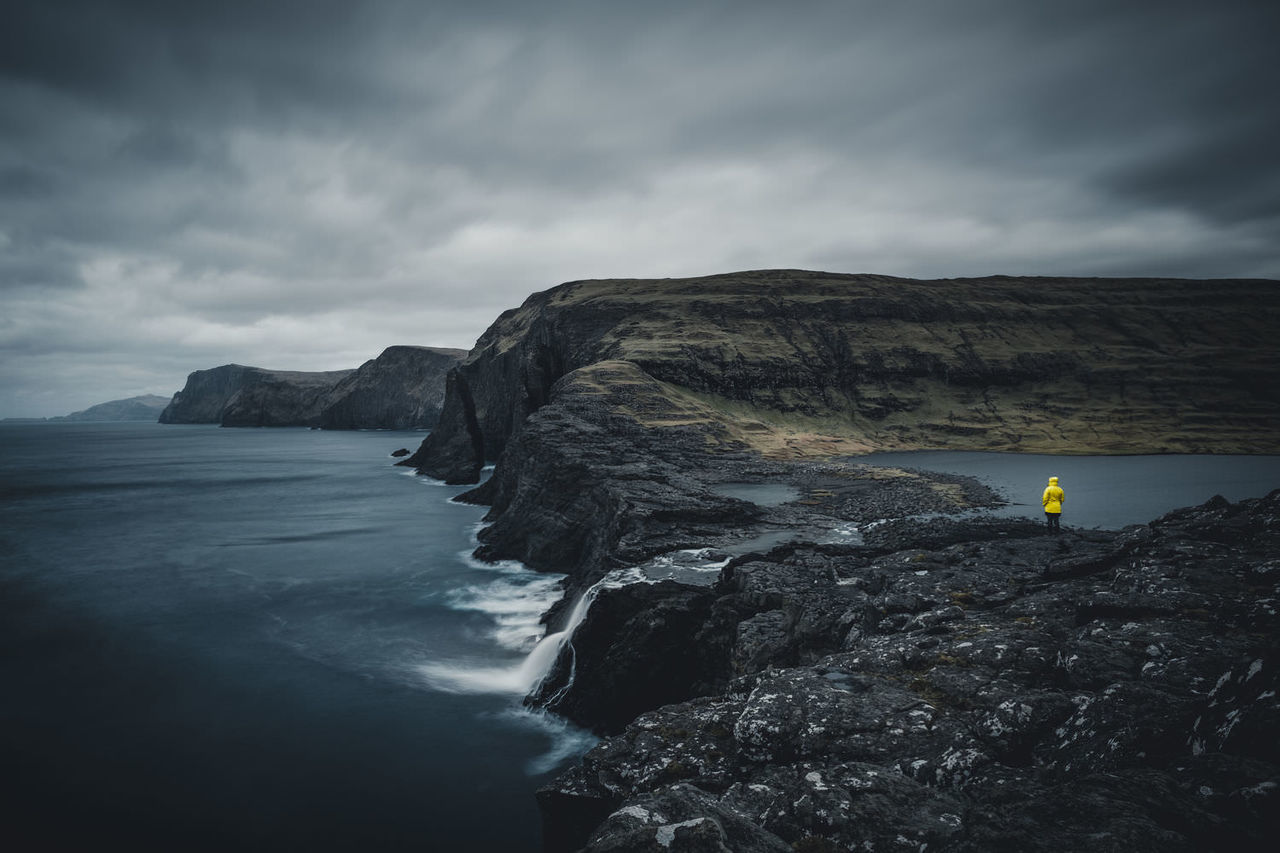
x=271, y=182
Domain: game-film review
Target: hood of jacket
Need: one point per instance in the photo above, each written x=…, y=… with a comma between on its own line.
x=1053, y=481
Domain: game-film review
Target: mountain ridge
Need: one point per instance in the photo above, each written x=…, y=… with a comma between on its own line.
x=400, y=389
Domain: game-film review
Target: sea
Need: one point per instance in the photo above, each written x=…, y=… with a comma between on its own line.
x=259, y=639
x=275, y=639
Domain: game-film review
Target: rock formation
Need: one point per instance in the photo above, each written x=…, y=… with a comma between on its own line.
x=400, y=389
x=965, y=685
x=967, y=688
x=235, y=395
x=1024, y=364
x=403, y=388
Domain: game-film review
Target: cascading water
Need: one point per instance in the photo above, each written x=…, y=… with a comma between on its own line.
x=521, y=592
x=525, y=677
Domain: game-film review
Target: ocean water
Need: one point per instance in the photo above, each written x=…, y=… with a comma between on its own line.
x=275, y=640
x=256, y=640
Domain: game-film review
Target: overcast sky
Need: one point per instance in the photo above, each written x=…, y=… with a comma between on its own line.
x=299, y=185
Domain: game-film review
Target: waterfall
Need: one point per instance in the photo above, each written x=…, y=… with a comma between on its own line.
x=524, y=678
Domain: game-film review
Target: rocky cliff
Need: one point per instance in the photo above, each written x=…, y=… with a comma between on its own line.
x=1034, y=364
x=235, y=395
x=960, y=685
x=401, y=389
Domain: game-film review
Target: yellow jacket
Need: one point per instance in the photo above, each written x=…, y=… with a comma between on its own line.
x=1054, y=497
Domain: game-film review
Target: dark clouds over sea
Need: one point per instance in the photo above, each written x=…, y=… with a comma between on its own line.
x=300, y=184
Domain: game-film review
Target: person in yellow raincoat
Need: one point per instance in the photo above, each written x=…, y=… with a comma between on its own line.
x=1053, y=500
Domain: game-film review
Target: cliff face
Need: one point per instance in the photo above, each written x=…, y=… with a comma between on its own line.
x=955, y=685
x=962, y=687
x=403, y=388
x=235, y=395
x=1039, y=364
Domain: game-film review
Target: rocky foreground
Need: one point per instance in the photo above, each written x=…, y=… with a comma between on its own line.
x=958, y=686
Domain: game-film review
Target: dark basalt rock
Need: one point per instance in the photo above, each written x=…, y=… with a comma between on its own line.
x=401, y=389
x=235, y=395
x=641, y=649
x=945, y=683
x=1094, y=690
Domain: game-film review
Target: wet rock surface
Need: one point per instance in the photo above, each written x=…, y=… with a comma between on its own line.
x=958, y=686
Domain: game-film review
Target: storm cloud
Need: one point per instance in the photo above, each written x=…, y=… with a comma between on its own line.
x=298, y=185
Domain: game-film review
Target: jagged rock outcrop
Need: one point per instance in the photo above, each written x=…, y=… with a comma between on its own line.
x=1015, y=691
x=403, y=388
x=235, y=395
x=1030, y=364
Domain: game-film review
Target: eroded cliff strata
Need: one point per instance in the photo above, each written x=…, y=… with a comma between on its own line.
x=1027, y=364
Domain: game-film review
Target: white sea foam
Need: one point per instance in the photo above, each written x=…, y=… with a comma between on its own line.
x=567, y=741
x=516, y=604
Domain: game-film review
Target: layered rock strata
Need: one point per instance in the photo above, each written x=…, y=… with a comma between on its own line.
x=1026, y=364
x=621, y=467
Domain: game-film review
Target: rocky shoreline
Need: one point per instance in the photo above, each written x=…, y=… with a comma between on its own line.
x=935, y=680
x=869, y=669
x=963, y=686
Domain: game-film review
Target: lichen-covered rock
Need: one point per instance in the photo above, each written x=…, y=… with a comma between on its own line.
x=1109, y=691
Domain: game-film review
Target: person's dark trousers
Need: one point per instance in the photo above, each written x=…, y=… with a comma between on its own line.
x=1051, y=519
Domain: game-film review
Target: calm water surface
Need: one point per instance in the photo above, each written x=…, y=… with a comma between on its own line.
x=217, y=639
x=1102, y=491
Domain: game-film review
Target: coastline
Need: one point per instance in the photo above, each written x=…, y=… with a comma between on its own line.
x=869, y=669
